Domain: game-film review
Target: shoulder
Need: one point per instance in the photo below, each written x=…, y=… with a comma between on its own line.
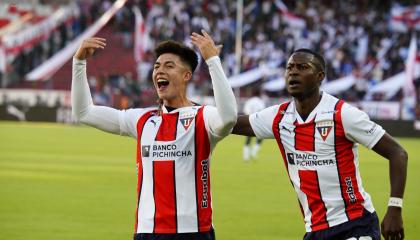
x=136, y=113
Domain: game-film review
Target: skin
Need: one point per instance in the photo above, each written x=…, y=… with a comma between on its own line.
x=303, y=77
x=167, y=66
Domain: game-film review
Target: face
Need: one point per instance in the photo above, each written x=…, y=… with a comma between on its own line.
x=170, y=77
x=303, y=77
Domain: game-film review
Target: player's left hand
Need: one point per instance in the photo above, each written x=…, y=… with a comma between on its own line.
x=392, y=225
x=205, y=44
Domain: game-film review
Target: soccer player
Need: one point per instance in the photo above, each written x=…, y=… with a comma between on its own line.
x=174, y=140
x=252, y=105
x=318, y=135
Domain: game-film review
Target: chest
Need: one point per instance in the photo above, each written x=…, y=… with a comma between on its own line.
x=169, y=136
x=319, y=134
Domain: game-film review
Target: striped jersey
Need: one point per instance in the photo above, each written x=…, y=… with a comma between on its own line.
x=173, y=163
x=321, y=157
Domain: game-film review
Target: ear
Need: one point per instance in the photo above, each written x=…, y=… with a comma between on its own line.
x=187, y=76
x=320, y=76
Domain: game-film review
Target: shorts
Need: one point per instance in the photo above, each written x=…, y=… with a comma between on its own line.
x=176, y=236
x=363, y=228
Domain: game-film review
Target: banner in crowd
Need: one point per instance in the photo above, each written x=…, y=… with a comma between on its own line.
x=141, y=36
x=49, y=67
x=405, y=18
x=14, y=43
x=381, y=110
x=290, y=18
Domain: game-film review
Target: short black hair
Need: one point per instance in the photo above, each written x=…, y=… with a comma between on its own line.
x=317, y=56
x=186, y=54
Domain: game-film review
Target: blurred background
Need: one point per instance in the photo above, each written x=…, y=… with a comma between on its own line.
x=62, y=181
x=370, y=48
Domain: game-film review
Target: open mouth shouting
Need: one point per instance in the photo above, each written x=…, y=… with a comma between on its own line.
x=294, y=83
x=162, y=84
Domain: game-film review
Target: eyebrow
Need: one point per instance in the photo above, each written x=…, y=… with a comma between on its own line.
x=167, y=62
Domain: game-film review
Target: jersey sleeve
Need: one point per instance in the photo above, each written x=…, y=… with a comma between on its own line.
x=209, y=120
x=262, y=122
x=359, y=128
x=128, y=121
x=107, y=119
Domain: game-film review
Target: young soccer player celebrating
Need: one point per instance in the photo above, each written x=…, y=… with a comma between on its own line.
x=174, y=140
x=317, y=135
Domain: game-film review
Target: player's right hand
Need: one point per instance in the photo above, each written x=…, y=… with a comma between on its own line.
x=88, y=47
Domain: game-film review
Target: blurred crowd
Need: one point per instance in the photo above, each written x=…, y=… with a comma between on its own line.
x=336, y=29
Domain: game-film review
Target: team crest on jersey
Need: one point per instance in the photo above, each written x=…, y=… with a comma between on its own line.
x=324, y=128
x=186, y=122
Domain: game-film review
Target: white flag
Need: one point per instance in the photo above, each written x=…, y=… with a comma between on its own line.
x=141, y=37
x=405, y=18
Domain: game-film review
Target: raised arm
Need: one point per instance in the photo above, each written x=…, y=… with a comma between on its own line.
x=83, y=109
x=225, y=100
x=392, y=224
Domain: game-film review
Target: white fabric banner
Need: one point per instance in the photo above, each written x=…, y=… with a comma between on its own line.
x=405, y=18
x=49, y=67
x=381, y=110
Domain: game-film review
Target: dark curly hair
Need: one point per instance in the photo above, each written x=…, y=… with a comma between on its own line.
x=186, y=54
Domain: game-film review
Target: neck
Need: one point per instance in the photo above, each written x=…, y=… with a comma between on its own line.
x=178, y=103
x=306, y=104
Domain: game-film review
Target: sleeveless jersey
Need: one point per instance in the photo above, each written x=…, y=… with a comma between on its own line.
x=321, y=157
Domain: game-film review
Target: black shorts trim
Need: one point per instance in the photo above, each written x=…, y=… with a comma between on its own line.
x=177, y=236
x=367, y=225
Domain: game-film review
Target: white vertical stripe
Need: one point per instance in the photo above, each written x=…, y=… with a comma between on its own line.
x=294, y=176
x=185, y=183
x=146, y=211
x=329, y=185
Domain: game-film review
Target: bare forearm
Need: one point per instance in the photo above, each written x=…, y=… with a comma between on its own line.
x=243, y=126
x=398, y=173
x=398, y=158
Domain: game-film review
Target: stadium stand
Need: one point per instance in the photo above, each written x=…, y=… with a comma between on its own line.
x=359, y=39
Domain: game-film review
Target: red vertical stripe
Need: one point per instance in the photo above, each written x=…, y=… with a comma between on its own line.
x=305, y=136
x=168, y=127
x=309, y=184
x=165, y=197
x=346, y=169
x=276, y=131
x=140, y=125
x=202, y=171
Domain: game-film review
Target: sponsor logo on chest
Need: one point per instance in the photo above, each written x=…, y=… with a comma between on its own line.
x=307, y=160
x=165, y=151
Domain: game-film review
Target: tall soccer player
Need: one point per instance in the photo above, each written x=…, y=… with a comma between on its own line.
x=174, y=140
x=318, y=135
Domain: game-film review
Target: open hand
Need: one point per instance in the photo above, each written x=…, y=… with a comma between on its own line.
x=205, y=44
x=88, y=47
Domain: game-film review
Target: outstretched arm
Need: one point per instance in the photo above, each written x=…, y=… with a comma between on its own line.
x=225, y=100
x=103, y=118
x=243, y=126
x=392, y=224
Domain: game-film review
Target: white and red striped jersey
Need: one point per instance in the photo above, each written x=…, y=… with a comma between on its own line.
x=321, y=157
x=173, y=163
